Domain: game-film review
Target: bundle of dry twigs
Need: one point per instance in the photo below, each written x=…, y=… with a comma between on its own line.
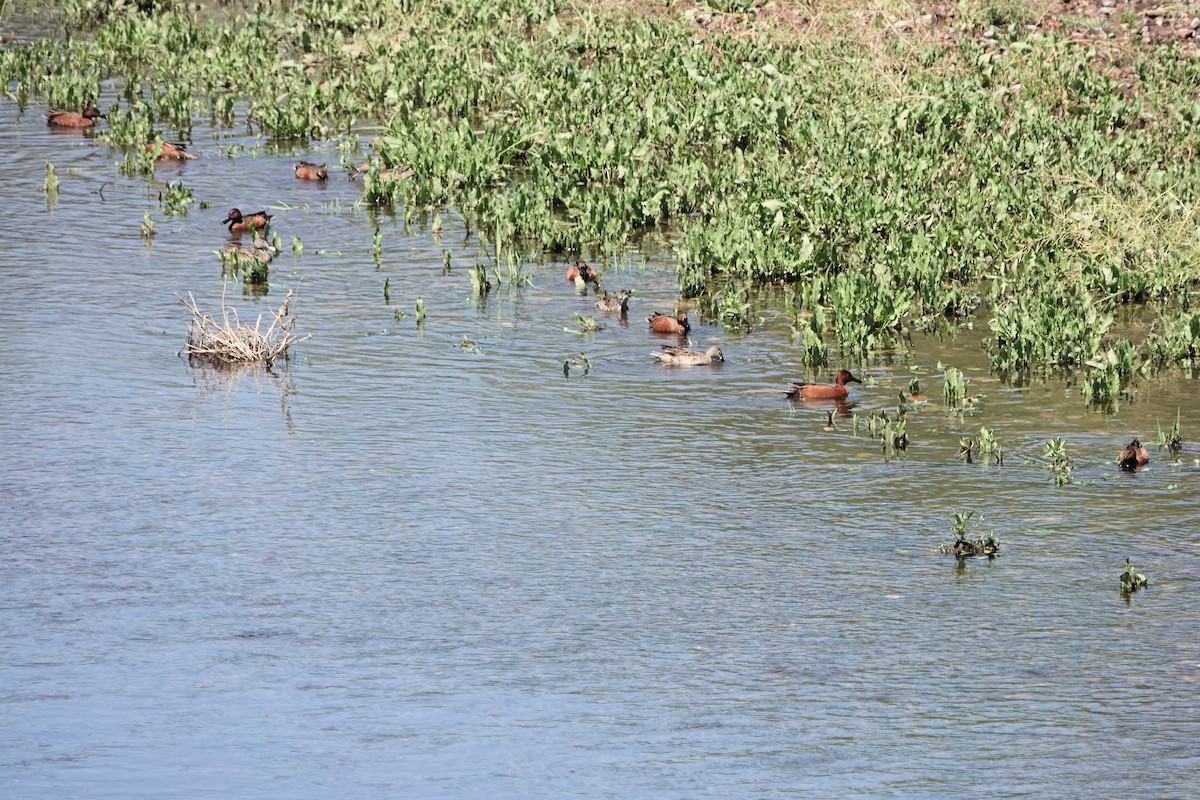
x=228, y=341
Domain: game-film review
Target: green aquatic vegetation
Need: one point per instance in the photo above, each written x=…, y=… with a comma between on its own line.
x=954, y=391
x=420, y=311
x=1176, y=339
x=904, y=182
x=469, y=346
x=965, y=547
x=377, y=242
x=147, y=227
x=297, y=246
x=1131, y=580
x=176, y=199
x=481, y=285
x=1172, y=439
x=733, y=308
x=387, y=291
x=1109, y=376
x=586, y=323
x=985, y=440
x=1059, y=465
x=580, y=361
x=50, y=182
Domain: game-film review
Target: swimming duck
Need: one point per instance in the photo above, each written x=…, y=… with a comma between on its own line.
x=171, y=151
x=822, y=391
x=71, y=119
x=1133, y=456
x=615, y=302
x=664, y=323
x=239, y=223
x=683, y=357
x=307, y=171
x=259, y=251
x=399, y=173
x=581, y=274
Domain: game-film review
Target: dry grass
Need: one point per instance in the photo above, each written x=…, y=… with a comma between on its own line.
x=228, y=341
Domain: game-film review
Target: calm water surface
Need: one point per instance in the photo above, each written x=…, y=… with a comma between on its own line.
x=400, y=568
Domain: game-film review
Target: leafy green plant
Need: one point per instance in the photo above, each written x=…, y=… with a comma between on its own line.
x=954, y=392
x=1172, y=439
x=1059, y=464
x=50, y=183
x=176, y=199
x=965, y=547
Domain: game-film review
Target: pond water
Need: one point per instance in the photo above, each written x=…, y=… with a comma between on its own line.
x=397, y=567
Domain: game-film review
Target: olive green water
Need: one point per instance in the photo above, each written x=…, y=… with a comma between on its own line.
x=399, y=568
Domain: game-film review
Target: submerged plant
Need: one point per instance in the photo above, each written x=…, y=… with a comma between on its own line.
x=50, y=184
x=1172, y=439
x=176, y=199
x=1060, y=465
x=964, y=547
x=955, y=390
x=147, y=227
x=1131, y=581
x=577, y=361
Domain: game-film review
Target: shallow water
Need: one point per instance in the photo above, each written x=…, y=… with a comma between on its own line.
x=396, y=567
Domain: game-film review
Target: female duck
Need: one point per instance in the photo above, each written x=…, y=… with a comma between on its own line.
x=171, y=151
x=683, y=357
x=618, y=302
x=239, y=223
x=822, y=391
x=664, y=323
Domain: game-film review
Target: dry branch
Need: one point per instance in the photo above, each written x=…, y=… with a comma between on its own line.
x=228, y=341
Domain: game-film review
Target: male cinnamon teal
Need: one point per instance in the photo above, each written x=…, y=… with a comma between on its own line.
x=171, y=151
x=72, y=119
x=822, y=391
x=581, y=273
x=664, y=323
x=1133, y=456
x=307, y=171
x=615, y=302
x=683, y=357
x=239, y=223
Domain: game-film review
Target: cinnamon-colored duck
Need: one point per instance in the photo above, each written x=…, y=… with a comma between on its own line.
x=73, y=119
x=171, y=151
x=1133, y=456
x=822, y=391
x=240, y=223
x=308, y=171
x=581, y=273
x=664, y=323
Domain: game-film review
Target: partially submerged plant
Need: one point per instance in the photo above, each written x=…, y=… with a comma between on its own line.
x=227, y=341
x=1060, y=465
x=965, y=547
x=955, y=391
x=577, y=361
x=50, y=184
x=1131, y=581
x=586, y=323
x=1172, y=439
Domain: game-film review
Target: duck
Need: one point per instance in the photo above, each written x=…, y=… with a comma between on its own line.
x=171, y=151
x=615, y=302
x=1133, y=456
x=581, y=274
x=72, y=119
x=239, y=223
x=683, y=357
x=822, y=391
x=259, y=251
x=399, y=173
x=307, y=171
x=664, y=323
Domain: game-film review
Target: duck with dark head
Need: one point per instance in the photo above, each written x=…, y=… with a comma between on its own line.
x=1133, y=456
x=822, y=391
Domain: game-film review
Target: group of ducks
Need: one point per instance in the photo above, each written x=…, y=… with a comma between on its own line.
x=581, y=274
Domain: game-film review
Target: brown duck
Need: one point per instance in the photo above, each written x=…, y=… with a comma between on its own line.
x=581, y=273
x=822, y=391
x=307, y=171
x=240, y=223
x=1133, y=456
x=665, y=323
x=618, y=302
x=73, y=119
x=683, y=357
